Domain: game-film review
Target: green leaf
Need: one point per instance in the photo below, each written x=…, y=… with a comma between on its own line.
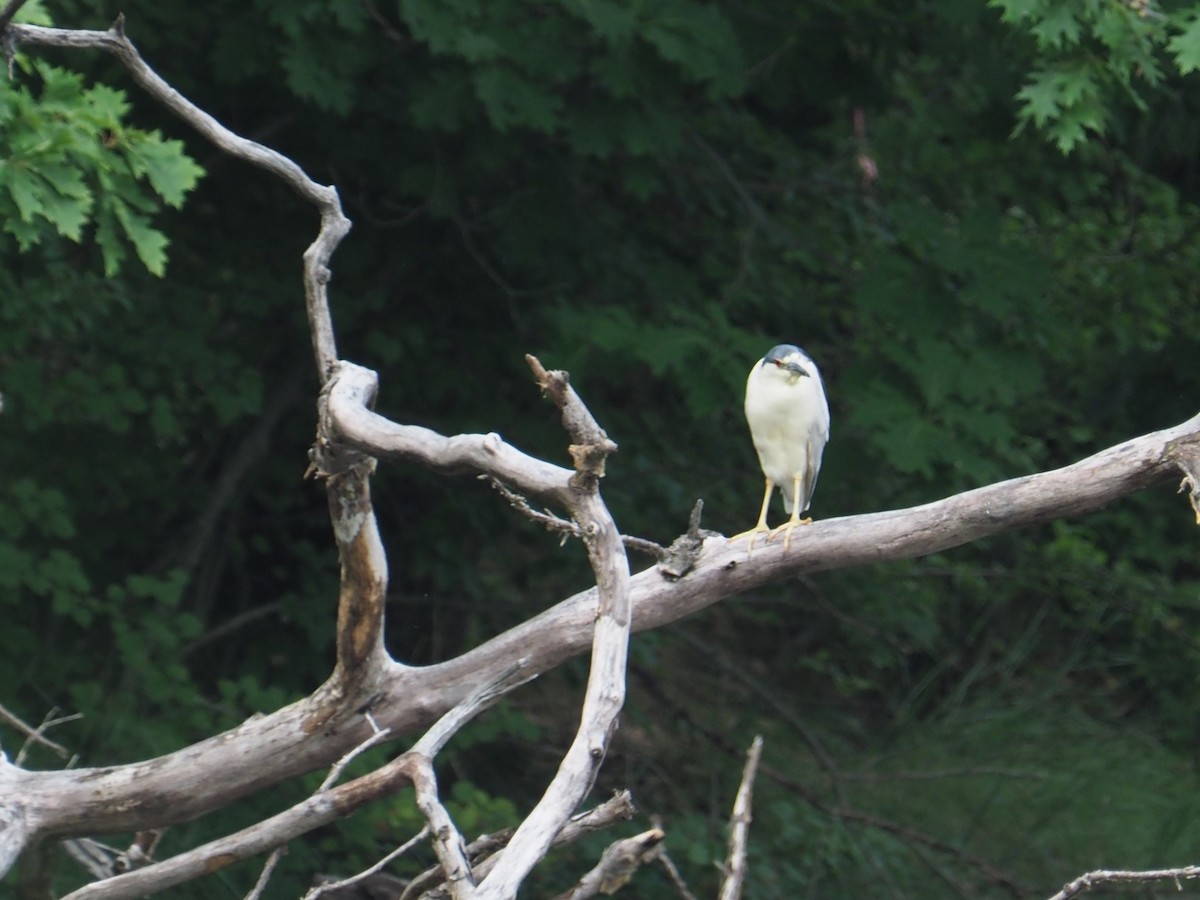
x=1060, y=28
x=25, y=188
x=149, y=243
x=1186, y=45
x=511, y=99
x=170, y=171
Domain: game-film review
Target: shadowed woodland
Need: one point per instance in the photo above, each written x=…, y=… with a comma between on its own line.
x=980, y=219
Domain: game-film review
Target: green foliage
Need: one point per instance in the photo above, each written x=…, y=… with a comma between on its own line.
x=1094, y=57
x=68, y=160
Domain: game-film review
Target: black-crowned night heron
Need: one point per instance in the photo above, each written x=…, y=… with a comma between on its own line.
x=789, y=422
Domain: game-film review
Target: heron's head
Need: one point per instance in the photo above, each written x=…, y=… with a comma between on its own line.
x=790, y=360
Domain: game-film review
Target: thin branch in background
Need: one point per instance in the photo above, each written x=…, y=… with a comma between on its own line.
x=36, y=736
x=230, y=625
x=780, y=707
x=739, y=826
x=336, y=770
x=1105, y=876
x=664, y=859
x=265, y=875
x=939, y=774
x=94, y=856
x=842, y=810
x=367, y=873
x=993, y=873
x=565, y=527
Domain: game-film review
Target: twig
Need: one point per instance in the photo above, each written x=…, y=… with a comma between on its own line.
x=664, y=860
x=367, y=873
x=92, y=855
x=335, y=772
x=739, y=826
x=265, y=875
x=680, y=558
x=620, y=860
x=565, y=526
x=783, y=710
x=549, y=520
x=34, y=734
x=1105, y=876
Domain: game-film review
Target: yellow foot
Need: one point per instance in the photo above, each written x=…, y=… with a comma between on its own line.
x=752, y=534
x=786, y=528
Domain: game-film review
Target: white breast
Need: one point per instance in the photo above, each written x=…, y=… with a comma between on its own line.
x=789, y=423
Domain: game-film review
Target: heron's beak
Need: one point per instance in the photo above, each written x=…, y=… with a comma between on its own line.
x=795, y=368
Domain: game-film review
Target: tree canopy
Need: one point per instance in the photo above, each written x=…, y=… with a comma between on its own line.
x=981, y=220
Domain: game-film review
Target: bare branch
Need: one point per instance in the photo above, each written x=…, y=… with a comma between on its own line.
x=10, y=9
x=591, y=447
x=36, y=735
x=335, y=772
x=1103, y=876
x=681, y=888
x=620, y=860
x=265, y=875
x=566, y=527
x=447, y=840
x=323, y=807
x=334, y=224
x=739, y=826
x=367, y=873
x=47, y=723
x=129, y=797
x=616, y=808
x=351, y=393
x=605, y=692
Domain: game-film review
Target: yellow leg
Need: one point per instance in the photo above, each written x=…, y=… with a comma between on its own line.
x=794, y=520
x=761, y=527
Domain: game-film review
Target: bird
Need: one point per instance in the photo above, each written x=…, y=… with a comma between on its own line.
x=789, y=424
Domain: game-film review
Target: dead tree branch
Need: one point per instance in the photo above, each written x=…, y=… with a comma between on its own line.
x=129, y=797
x=323, y=807
x=486, y=851
x=620, y=860
x=1102, y=877
x=605, y=692
x=739, y=826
